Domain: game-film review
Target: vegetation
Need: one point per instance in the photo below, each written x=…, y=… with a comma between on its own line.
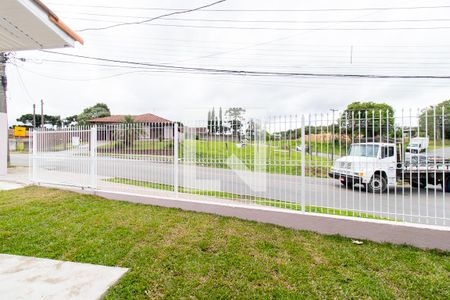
x=27, y=119
x=235, y=116
x=361, y=116
x=177, y=254
x=139, y=145
x=128, y=135
x=433, y=119
x=275, y=158
x=99, y=110
x=215, y=124
x=439, y=144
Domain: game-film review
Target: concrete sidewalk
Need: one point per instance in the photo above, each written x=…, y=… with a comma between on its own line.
x=16, y=178
x=24, y=277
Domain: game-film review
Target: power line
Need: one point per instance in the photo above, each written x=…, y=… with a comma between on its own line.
x=249, y=28
x=277, y=28
x=150, y=38
x=85, y=79
x=258, y=10
x=22, y=83
x=252, y=73
x=353, y=67
x=154, y=18
x=254, y=80
x=255, y=21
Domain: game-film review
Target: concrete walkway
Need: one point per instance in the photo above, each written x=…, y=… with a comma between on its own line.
x=24, y=277
x=15, y=179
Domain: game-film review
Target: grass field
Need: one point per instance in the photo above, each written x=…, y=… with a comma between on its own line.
x=276, y=159
x=439, y=144
x=176, y=254
x=139, y=145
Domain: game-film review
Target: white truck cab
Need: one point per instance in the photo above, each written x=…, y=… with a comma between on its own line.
x=371, y=164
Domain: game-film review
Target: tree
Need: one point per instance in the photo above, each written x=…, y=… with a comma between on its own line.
x=70, y=120
x=209, y=124
x=360, y=118
x=235, y=117
x=254, y=130
x=220, y=121
x=128, y=134
x=99, y=110
x=213, y=121
x=48, y=119
x=433, y=119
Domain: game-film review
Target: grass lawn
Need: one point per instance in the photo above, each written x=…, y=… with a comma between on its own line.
x=438, y=144
x=139, y=145
x=176, y=254
x=274, y=157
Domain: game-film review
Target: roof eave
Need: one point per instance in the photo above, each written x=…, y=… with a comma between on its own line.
x=60, y=24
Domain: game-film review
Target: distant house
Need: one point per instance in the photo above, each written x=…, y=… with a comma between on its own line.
x=152, y=127
x=118, y=119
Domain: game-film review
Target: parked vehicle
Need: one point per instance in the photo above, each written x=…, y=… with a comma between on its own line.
x=418, y=145
x=379, y=166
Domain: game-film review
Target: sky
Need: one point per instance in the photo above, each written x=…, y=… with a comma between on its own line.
x=319, y=37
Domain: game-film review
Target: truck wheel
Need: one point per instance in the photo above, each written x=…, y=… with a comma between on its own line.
x=377, y=184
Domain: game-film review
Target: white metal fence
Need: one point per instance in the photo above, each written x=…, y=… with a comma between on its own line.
x=368, y=164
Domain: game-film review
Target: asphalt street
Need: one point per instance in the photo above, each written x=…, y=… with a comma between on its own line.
x=401, y=203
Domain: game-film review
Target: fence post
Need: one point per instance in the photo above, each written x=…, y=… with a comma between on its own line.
x=33, y=156
x=93, y=157
x=303, y=165
x=175, y=158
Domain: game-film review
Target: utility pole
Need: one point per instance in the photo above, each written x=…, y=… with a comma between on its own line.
x=332, y=134
x=3, y=115
x=42, y=113
x=3, y=82
x=34, y=116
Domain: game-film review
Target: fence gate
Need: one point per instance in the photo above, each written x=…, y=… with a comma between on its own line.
x=64, y=157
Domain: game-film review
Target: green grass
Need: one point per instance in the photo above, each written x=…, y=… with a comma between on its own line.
x=175, y=254
x=253, y=199
x=139, y=145
x=438, y=144
x=315, y=146
x=276, y=159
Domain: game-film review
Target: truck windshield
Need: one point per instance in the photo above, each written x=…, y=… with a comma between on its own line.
x=364, y=150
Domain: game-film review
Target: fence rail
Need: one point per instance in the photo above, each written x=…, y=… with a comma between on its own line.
x=368, y=164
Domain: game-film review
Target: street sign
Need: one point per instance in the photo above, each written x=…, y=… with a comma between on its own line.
x=20, y=131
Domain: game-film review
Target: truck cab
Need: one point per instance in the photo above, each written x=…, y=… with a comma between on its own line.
x=373, y=165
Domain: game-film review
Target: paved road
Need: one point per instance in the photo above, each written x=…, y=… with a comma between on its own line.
x=402, y=204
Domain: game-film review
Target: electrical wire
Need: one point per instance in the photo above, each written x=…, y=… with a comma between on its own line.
x=260, y=10
x=153, y=18
x=258, y=28
x=252, y=73
x=22, y=83
x=253, y=21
